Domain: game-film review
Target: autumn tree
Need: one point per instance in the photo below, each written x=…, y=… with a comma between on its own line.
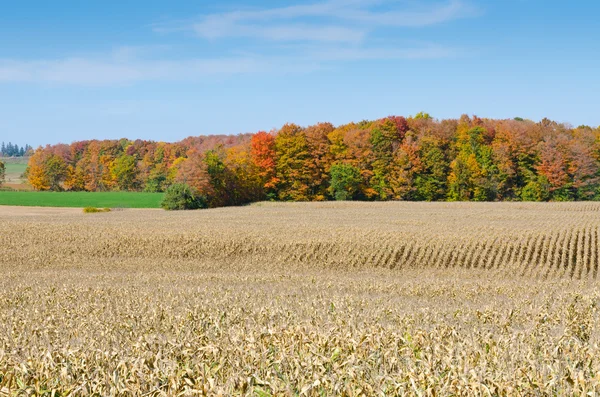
x=56, y=172
x=553, y=167
x=404, y=170
x=192, y=171
x=472, y=173
x=584, y=170
x=75, y=179
x=321, y=159
x=124, y=171
x=36, y=172
x=292, y=166
x=422, y=116
x=244, y=181
x=505, y=153
x=46, y=171
x=417, y=158
x=263, y=158
x=338, y=148
x=388, y=168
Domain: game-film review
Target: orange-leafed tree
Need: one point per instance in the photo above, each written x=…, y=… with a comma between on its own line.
x=36, y=170
x=75, y=179
x=262, y=151
x=193, y=171
x=321, y=159
x=46, y=171
x=553, y=167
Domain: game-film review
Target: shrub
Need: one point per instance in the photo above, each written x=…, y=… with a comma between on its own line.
x=181, y=196
x=94, y=210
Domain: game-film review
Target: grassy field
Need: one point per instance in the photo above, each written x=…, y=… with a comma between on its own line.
x=15, y=167
x=82, y=199
x=348, y=299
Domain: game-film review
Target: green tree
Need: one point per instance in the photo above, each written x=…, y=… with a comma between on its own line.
x=218, y=178
x=345, y=181
x=384, y=138
x=157, y=179
x=431, y=183
x=180, y=196
x=537, y=189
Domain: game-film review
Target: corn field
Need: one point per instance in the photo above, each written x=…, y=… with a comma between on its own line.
x=348, y=299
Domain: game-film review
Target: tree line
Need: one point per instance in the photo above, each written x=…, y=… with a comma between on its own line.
x=395, y=158
x=13, y=150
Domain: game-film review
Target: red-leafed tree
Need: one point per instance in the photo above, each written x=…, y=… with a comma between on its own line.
x=263, y=156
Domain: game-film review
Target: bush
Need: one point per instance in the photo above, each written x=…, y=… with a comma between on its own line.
x=94, y=210
x=181, y=196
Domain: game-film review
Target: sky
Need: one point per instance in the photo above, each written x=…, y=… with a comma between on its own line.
x=164, y=70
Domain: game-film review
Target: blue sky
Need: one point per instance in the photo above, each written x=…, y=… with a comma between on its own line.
x=73, y=70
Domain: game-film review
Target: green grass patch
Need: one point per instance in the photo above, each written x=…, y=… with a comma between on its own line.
x=14, y=171
x=82, y=199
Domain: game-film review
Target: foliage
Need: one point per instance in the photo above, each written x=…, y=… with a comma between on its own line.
x=263, y=158
x=125, y=172
x=292, y=167
x=537, y=189
x=94, y=210
x=416, y=158
x=180, y=196
x=422, y=115
x=345, y=181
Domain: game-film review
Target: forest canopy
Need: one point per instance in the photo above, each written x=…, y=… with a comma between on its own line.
x=395, y=158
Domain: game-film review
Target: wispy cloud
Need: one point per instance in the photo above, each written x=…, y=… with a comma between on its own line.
x=119, y=69
x=290, y=39
x=333, y=20
x=213, y=29
x=110, y=71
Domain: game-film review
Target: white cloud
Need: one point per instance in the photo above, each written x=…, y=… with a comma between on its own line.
x=339, y=20
x=115, y=69
x=290, y=39
x=110, y=71
x=361, y=54
x=213, y=29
